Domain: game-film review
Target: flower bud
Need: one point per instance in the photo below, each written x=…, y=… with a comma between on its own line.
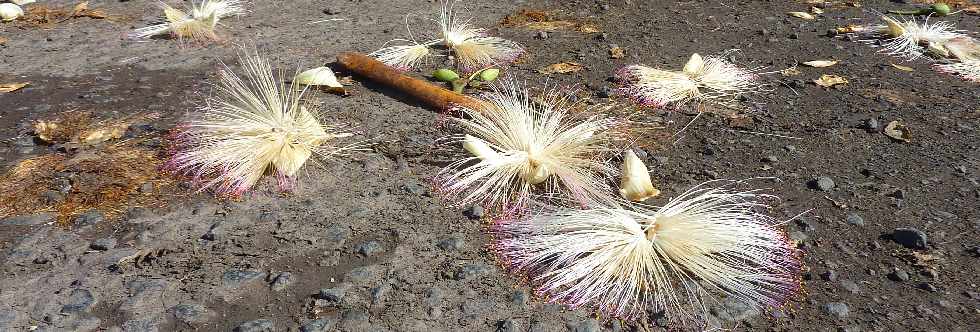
x=635, y=184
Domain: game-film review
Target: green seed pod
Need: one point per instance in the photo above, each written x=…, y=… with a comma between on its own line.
x=489, y=74
x=941, y=9
x=445, y=75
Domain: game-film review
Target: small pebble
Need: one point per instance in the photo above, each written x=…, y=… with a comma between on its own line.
x=542, y=35
x=829, y=275
x=854, y=219
x=370, y=248
x=822, y=183
x=103, y=244
x=282, y=281
x=898, y=275
x=334, y=294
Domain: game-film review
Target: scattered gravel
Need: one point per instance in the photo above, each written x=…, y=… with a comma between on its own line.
x=189, y=312
x=319, y=325
x=370, y=248
x=103, y=244
x=80, y=300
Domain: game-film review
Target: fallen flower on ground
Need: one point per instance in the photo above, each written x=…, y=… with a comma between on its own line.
x=253, y=124
x=628, y=262
x=198, y=25
x=702, y=78
x=521, y=146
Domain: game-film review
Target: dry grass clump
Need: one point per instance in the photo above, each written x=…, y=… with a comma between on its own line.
x=110, y=178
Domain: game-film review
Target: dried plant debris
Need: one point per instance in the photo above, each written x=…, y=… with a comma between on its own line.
x=562, y=68
x=11, y=87
x=471, y=47
x=76, y=129
x=543, y=21
x=898, y=131
x=820, y=63
x=197, y=24
x=629, y=261
x=46, y=17
x=521, y=145
x=829, y=81
x=254, y=125
x=110, y=179
x=710, y=78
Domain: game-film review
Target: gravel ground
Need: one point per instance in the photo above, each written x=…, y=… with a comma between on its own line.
x=890, y=229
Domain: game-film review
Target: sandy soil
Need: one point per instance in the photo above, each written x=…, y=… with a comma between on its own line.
x=364, y=244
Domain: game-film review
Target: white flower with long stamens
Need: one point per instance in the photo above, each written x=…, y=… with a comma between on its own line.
x=967, y=70
x=702, y=78
x=523, y=146
x=707, y=243
x=911, y=39
x=253, y=125
x=198, y=25
x=404, y=57
x=908, y=39
x=473, y=50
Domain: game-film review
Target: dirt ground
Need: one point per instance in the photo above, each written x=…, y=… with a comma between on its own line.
x=363, y=244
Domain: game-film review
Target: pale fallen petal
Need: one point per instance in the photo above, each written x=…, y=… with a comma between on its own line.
x=820, y=63
x=11, y=87
x=318, y=76
x=803, y=15
x=898, y=131
x=830, y=80
x=562, y=68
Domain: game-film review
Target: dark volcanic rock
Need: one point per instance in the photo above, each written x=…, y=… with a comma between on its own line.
x=189, y=312
x=910, y=238
x=320, y=325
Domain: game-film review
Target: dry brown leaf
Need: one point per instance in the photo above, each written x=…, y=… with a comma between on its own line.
x=803, y=15
x=588, y=28
x=617, y=52
x=898, y=131
x=820, y=63
x=550, y=25
x=562, y=68
x=11, y=87
x=902, y=68
x=3, y=40
x=830, y=80
x=792, y=71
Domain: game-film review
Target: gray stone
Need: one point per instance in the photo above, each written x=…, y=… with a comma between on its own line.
x=140, y=325
x=733, y=310
x=451, y=244
x=283, y=280
x=519, y=298
x=29, y=220
x=378, y=293
x=506, y=325
x=359, y=275
x=80, y=300
x=258, y=325
x=899, y=275
x=928, y=287
x=334, y=294
x=319, y=325
x=189, y=312
x=355, y=320
x=823, y=183
x=146, y=296
x=854, y=219
x=838, y=310
x=236, y=278
x=475, y=212
x=542, y=35
x=850, y=286
x=89, y=218
x=588, y=325
x=415, y=188
x=337, y=234
x=910, y=238
x=469, y=271
x=103, y=244
x=830, y=275
x=370, y=248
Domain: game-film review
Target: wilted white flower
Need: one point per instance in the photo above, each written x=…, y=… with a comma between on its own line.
x=254, y=124
x=521, y=145
x=470, y=46
x=10, y=12
x=908, y=39
x=197, y=25
x=702, y=78
x=708, y=243
x=967, y=70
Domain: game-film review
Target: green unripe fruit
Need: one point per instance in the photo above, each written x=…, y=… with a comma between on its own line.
x=489, y=74
x=941, y=9
x=445, y=75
